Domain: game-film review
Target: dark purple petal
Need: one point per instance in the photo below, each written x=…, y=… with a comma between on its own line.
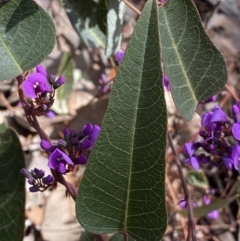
x=227, y=162
x=94, y=135
x=85, y=144
x=48, y=180
x=52, y=162
x=37, y=173
x=40, y=69
x=34, y=189
x=31, y=181
x=82, y=160
x=218, y=115
x=236, y=131
x=60, y=81
x=66, y=132
x=183, y=204
x=45, y=145
x=87, y=129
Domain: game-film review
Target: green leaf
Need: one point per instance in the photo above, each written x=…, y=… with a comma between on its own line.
x=195, y=67
x=102, y=10
x=204, y=210
x=123, y=188
x=62, y=93
x=82, y=15
x=12, y=187
x=115, y=16
x=86, y=236
x=27, y=36
x=120, y=237
x=197, y=179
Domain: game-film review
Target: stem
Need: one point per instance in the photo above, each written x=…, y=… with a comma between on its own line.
x=191, y=224
x=132, y=7
x=232, y=92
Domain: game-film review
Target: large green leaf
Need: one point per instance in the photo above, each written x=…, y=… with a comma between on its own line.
x=195, y=67
x=115, y=16
x=123, y=188
x=12, y=187
x=82, y=14
x=27, y=36
x=62, y=94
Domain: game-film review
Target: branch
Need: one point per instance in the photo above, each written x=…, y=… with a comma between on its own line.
x=191, y=224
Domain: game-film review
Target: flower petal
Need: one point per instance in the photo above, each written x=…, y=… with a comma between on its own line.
x=236, y=131
x=28, y=89
x=218, y=115
x=40, y=69
x=194, y=162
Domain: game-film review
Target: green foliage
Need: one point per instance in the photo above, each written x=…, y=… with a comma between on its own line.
x=123, y=188
x=27, y=36
x=205, y=209
x=197, y=179
x=82, y=14
x=195, y=67
x=115, y=16
x=62, y=93
x=12, y=187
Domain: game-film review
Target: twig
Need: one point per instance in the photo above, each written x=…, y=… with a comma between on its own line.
x=132, y=7
x=191, y=224
x=172, y=193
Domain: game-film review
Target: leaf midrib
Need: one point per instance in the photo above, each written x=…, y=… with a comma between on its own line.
x=133, y=142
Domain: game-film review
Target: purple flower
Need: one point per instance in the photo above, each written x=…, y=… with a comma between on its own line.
x=37, y=173
x=45, y=145
x=35, y=84
x=59, y=82
x=211, y=99
x=58, y=160
x=82, y=160
x=48, y=180
x=119, y=56
x=34, y=188
x=92, y=131
x=218, y=115
x=166, y=82
x=41, y=70
x=193, y=160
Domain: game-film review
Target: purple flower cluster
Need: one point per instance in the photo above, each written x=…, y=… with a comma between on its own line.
x=37, y=179
x=41, y=89
x=69, y=151
x=221, y=140
x=104, y=85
